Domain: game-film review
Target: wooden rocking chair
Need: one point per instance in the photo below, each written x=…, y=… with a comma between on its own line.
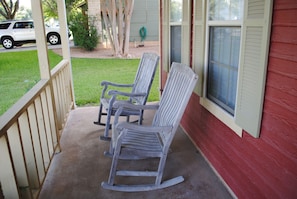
x=139, y=92
x=133, y=142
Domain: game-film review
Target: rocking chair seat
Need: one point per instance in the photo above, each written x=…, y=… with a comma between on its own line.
x=105, y=102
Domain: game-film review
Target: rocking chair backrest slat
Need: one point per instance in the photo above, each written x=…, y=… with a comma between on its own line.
x=145, y=76
x=175, y=97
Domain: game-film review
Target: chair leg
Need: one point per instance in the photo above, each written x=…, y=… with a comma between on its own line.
x=113, y=168
x=98, y=122
x=160, y=170
x=108, y=125
x=140, y=118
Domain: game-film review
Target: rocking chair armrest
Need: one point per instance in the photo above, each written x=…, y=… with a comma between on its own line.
x=143, y=128
x=107, y=83
x=115, y=92
x=120, y=104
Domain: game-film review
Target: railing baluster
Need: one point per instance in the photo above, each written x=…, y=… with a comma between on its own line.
x=42, y=133
x=7, y=176
x=25, y=131
x=47, y=123
x=51, y=117
x=18, y=159
x=36, y=142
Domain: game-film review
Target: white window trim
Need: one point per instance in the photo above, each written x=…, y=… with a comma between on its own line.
x=222, y=115
x=213, y=108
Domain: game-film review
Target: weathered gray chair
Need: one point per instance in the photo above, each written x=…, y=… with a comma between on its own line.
x=133, y=142
x=139, y=92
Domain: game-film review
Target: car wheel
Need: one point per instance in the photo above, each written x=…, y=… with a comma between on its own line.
x=54, y=38
x=7, y=43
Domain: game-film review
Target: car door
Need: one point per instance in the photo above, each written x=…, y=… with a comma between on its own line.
x=23, y=31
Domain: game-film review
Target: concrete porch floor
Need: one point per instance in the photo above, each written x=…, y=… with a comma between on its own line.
x=77, y=172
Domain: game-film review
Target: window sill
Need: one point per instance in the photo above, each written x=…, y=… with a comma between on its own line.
x=221, y=115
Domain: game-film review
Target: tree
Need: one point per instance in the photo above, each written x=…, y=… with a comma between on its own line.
x=24, y=13
x=9, y=9
x=51, y=11
x=117, y=17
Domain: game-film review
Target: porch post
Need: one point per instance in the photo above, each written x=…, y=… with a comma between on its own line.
x=65, y=45
x=41, y=42
x=42, y=52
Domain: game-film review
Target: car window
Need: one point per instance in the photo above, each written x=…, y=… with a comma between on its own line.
x=19, y=25
x=4, y=25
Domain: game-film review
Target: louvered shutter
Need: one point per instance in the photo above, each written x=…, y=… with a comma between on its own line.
x=253, y=64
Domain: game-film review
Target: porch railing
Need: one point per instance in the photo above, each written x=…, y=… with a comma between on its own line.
x=30, y=133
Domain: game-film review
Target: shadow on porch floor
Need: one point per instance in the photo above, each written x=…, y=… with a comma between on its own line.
x=77, y=172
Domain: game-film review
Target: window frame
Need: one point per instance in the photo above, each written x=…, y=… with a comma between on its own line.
x=211, y=106
x=174, y=24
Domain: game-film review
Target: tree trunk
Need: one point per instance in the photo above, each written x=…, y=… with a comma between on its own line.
x=120, y=28
x=113, y=12
x=128, y=15
x=106, y=22
x=117, y=15
x=10, y=9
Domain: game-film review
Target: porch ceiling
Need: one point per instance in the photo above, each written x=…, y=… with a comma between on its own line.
x=77, y=172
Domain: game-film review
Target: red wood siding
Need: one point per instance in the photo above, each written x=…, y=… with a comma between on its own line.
x=264, y=167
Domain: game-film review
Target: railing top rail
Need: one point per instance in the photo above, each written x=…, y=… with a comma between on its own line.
x=62, y=64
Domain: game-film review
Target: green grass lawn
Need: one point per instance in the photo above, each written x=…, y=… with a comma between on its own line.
x=19, y=71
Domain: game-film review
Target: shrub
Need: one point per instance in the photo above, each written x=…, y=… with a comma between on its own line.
x=84, y=32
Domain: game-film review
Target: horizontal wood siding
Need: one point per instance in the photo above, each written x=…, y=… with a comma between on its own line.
x=264, y=167
x=145, y=14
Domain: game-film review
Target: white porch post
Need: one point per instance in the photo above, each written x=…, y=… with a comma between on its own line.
x=64, y=38
x=41, y=42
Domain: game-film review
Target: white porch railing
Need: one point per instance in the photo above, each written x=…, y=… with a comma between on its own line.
x=30, y=133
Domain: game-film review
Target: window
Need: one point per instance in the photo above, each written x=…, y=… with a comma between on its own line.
x=175, y=30
x=21, y=25
x=230, y=52
x=223, y=61
x=224, y=29
x=176, y=11
x=4, y=26
x=225, y=10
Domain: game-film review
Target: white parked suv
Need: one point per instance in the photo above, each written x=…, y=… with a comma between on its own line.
x=18, y=32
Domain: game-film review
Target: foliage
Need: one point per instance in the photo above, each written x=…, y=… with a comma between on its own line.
x=24, y=13
x=8, y=9
x=51, y=11
x=19, y=72
x=84, y=32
